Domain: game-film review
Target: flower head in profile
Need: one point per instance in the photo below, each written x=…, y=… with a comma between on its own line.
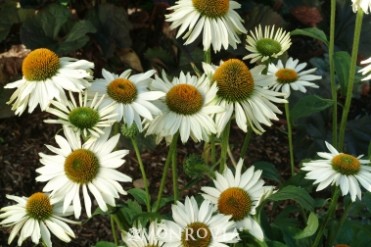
x=188, y=107
x=267, y=45
x=292, y=76
x=365, y=5
x=141, y=237
x=86, y=118
x=216, y=20
x=35, y=217
x=89, y=166
x=238, y=196
x=244, y=92
x=195, y=226
x=46, y=77
x=130, y=95
x=366, y=70
x=340, y=169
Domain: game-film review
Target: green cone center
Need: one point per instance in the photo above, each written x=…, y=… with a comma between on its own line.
x=40, y=65
x=286, y=76
x=346, y=164
x=268, y=47
x=38, y=206
x=84, y=117
x=212, y=8
x=81, y=166
x=236, y=202
x=196, y=234
x=184, y=99
x=122, y=90
x=234, y=80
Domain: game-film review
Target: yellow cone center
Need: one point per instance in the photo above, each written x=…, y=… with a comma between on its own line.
x=196, y=234
x=184, y=99
x=286, y=75
x=40, y=65
x=122, y=90
x=236, y=202
x=234, y=80
x=81, y=166
x=212, y=8
x=268, y=47
x=84, y=117
x=346, y=164
x=38, y=206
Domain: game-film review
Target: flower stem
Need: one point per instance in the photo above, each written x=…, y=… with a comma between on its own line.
x=166, y=170
x=330, y=213
x=332, y=75
x=174, y=168
x=142, y=170
x=225, y=141
x=246, y=142
x=113, y=229
x=289, y=137
x=352, y=71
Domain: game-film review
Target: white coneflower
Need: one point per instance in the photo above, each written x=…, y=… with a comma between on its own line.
x=215, y=20
x=268, y=44
x=141, y=237
x=366, y=70
x=45, y=77
x=89, y=166
x=35, y=217
x=292, y=76
x=365, y=5
x=344, y=170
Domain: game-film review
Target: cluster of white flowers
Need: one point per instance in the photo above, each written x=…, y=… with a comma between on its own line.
x=85, y=160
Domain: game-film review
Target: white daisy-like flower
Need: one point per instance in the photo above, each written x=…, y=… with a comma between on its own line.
x=366, y=70
x=217, y=20
x=86, y=118
x=244, y=92
x=344, y=170
x=130, y=94
x=268, y=44
x=188, y=107
x=46, y=77
x=291, y=75
x=195, y=226
x=35, y=217
x=140, y=237
x=89, y=166
x=238, y=196
x=365, y=5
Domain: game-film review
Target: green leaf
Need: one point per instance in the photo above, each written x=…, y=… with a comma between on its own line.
x=342, y=65
x=298, y=194
x=53, y=18
x=275, y=244
x=139, y=195
x=312, y=32
x=269, y=171
x=77, y=38
x=105, y=244
x=310, y=229
x=309, y=105
x=9, y=16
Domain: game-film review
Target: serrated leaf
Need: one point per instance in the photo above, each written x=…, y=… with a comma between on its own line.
x=310, y=229
x=342, y=65
x=298, y=194
x=9, y=16
x=52, y=18
x=269, y=171
x=139, y=195
x=76, y=37
x=309, y=105
x=312, y=32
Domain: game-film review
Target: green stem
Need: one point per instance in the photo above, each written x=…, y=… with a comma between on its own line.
x=113, y=229
x=289, y=137
x=246, y=142
x=165, y=172
x=225, y=141
x=207, y=56
x=332, y=75
x=352, y=71
x=142, y=170
x=330, y=213
x=344, y=216
x=174, y=169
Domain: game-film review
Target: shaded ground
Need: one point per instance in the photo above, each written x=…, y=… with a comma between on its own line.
x=22, y=138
